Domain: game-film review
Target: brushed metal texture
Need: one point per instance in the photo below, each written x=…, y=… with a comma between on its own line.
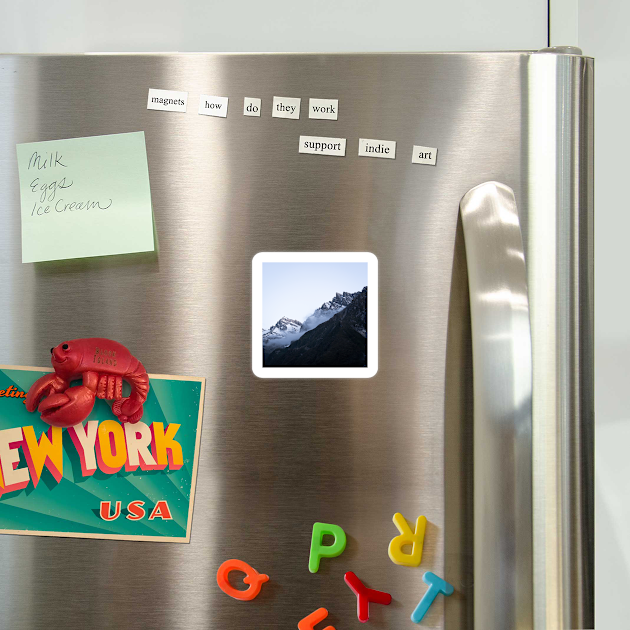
x=560, y=274
x=276, y=455
x=502, y=368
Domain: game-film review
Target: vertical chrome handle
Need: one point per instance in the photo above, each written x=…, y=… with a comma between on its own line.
x=502, y=374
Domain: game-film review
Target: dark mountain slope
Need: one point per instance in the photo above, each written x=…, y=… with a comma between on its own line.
x=339, y=342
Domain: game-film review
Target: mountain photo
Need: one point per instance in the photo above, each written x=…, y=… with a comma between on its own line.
x=332, y=333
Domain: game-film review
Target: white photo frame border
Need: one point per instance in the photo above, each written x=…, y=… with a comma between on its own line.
x=314, y=372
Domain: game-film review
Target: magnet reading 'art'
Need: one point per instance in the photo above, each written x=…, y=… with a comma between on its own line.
x=319, y=550
x=407, y=537
x=252, y=577
x=102, y=364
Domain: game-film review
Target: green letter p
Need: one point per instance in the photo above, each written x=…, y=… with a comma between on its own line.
x=319, y=551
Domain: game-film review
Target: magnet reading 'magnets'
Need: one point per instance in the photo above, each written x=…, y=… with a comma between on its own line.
x=102, y=364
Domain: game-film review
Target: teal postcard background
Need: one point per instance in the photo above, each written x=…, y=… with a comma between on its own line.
x=72, y=505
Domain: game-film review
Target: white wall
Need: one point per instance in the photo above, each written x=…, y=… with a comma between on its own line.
x=282, y=25
x=603, y=27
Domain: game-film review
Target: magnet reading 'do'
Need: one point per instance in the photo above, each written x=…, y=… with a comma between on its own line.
x=102, y=364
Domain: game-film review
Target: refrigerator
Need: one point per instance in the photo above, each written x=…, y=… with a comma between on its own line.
x=473, y=404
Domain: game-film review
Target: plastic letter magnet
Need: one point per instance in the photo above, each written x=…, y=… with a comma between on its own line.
x=407, y=537
x=252, y=577
x=319, y=551
x=436, y=586
x=308, y=623
x=365, y=596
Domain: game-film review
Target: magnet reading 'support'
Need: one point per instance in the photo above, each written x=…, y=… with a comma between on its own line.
x=102, y=364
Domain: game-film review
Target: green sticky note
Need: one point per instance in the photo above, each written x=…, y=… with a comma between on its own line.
x=85, y=197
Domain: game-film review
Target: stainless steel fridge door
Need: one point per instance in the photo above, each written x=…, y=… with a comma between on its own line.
x=278, y=455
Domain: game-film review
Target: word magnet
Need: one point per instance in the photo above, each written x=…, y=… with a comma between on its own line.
x=252, y=577
x=424, y=155
x=251, y=106
x=319, y=550
x=322, y=146
x=213, y=105
x=323, y=108
x=285, y=107
x=365, y=596
x=407, y=537
x=309, y=623
x=436, y=586
x=377, y=148
x=167, y=100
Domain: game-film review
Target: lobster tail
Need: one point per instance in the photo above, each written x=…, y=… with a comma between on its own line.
x=130, y=409
x=139, y=381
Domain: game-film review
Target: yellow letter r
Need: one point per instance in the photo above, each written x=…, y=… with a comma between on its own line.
x=407, y=537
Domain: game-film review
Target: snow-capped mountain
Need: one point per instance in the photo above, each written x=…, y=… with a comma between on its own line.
x=339, y=301
x=328, y=309
x=282, y=328
x=340, y=341
x=286, y=331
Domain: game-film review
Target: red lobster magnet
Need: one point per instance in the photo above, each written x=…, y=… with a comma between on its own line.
x=102, y=364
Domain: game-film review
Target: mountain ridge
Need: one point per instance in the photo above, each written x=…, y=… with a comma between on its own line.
x=287, y=330
x=328, y=309
x=340, y=341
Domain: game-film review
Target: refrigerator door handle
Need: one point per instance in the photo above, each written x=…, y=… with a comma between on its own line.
x=502, y=374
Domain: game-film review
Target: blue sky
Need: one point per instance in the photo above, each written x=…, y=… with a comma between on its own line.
x=295, y=290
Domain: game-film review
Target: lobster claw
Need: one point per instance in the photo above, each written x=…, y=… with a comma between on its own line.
x=68, y=408
x=43, y=386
